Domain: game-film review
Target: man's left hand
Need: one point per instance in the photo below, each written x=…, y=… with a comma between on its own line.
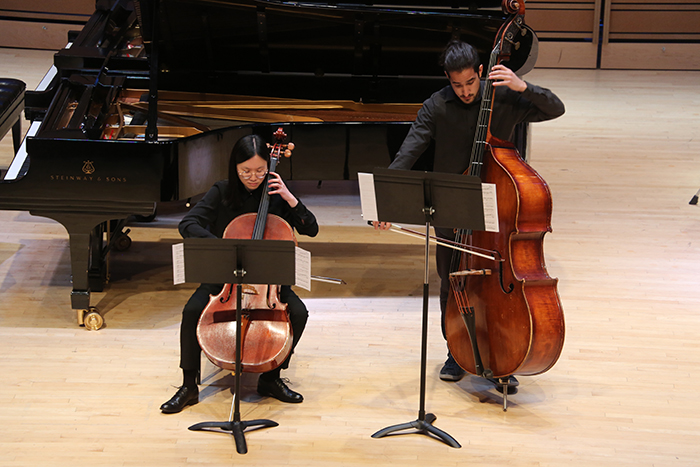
x=504, y=76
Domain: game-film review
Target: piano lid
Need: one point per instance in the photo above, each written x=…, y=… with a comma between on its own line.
x=110, y=39
x=363, y=51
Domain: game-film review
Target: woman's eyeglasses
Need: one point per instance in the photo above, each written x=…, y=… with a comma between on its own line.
x=247, y=175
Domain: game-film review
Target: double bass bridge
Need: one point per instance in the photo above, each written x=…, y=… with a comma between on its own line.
x=472, y=272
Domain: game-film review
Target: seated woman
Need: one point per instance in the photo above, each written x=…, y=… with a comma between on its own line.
x=225, y=201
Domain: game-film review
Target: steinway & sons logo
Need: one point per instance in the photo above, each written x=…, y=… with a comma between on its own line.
x=89, y=176
x=88, y=168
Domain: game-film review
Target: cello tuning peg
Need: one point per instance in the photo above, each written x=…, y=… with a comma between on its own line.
x=287, y=153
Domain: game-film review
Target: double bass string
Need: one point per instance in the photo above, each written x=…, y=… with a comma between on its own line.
x=476, y=162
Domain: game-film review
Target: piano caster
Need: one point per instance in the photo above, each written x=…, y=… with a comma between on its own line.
x=123, y=241
x=90, y=318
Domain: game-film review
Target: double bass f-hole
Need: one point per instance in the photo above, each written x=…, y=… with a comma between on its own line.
x=511, y=286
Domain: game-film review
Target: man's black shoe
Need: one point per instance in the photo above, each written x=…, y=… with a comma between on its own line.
x=183, y=397
x=277, y=389
x=451, y=371
x=511, y=383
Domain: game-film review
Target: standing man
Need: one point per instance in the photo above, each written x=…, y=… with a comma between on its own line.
x=449, y=118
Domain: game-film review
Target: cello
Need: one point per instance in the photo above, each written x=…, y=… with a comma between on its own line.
x=266, y=332
x=509, y=322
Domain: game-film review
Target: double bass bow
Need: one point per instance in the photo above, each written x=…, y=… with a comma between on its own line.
x=266, y=332
x=509, y=322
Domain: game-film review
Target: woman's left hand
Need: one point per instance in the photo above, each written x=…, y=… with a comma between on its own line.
x=276, y=186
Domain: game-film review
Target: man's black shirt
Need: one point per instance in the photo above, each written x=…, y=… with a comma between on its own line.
x=451, y=123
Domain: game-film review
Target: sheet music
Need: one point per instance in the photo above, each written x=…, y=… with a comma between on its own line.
x=179, y=263
x=302, y=269
x=368, y=199
x=488, y=194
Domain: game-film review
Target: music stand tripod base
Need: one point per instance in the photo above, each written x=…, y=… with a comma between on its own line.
x=424, y=427
x=236, y=429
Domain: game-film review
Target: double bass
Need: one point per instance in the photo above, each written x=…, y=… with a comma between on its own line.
x=504, y=315
x=266, y=331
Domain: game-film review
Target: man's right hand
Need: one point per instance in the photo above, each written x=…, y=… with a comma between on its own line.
x=381, y=225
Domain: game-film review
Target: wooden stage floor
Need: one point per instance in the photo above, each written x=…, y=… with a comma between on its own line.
x=622, y=165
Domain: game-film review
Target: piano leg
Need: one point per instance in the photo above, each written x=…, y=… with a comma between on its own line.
x=79, y=261
x=90, y=260
x=97, y=268
x=87, y=257
x=82, y=253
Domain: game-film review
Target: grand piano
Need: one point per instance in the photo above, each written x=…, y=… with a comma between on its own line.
x=145, y=102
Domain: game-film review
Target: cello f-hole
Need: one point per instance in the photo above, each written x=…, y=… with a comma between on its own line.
x=227, y=297
x=270, y=303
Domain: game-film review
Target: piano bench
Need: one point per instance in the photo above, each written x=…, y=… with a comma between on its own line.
x=11, y=107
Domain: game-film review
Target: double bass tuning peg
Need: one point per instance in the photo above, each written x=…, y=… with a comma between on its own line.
x=509, y=37
x=519, y=24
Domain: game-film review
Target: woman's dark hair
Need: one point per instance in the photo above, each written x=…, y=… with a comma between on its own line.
x=459, y=56
x=246, y=148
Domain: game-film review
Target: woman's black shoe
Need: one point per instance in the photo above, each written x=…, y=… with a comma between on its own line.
x=183, y=397
x=277, y=389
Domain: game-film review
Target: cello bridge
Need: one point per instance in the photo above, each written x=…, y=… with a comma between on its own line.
x=249, y=289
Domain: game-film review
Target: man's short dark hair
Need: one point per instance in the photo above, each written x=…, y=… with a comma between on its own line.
x=459, y=56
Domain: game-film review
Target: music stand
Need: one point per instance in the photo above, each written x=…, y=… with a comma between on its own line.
x=444, y=200
x=209, y=260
